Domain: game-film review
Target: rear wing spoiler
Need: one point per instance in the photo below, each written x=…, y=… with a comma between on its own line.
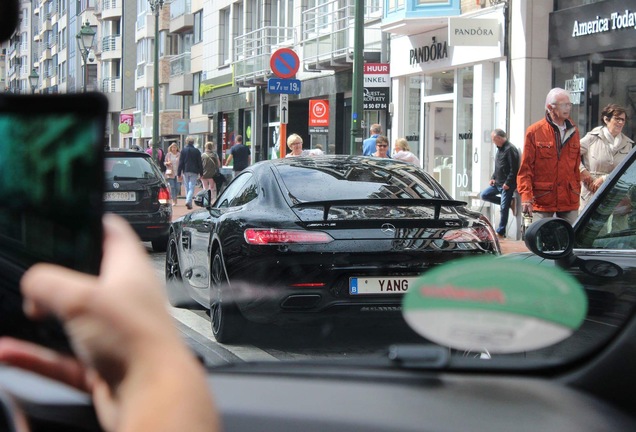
x=393, y=202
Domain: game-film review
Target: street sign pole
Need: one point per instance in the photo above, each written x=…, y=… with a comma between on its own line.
x=284, y=118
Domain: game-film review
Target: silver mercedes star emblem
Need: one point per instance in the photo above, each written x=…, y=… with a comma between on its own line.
x=388, y=229
x=116, y=185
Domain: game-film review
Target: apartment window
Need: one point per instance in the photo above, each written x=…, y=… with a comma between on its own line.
x=224, y=37
x=282, y=13
x=172, y=102
x=63, y=37
x=198, y=27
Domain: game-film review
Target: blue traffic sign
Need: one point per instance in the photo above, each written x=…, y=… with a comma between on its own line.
x=283, y=86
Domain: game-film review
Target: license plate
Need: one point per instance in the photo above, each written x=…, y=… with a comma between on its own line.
x=388, y=285
x=119, y=196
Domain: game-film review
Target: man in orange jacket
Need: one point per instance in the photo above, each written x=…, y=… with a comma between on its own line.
x=549, y=178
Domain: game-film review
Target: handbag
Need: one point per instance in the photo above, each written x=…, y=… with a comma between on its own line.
x=219, y=179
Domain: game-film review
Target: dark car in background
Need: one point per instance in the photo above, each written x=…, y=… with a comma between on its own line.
x=135, y=189
x=298, y=239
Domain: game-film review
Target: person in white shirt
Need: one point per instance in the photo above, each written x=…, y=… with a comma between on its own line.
x=403, y=152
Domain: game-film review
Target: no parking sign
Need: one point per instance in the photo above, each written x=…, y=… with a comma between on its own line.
x=284, y=63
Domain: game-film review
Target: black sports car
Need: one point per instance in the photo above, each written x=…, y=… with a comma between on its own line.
x=296, y=239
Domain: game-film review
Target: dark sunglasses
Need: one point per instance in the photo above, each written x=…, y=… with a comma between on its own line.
x=382, y=145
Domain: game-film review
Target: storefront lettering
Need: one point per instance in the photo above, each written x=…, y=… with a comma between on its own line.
x=576, y=87
x=436, y=51
x=616, y=21
x=474, y=32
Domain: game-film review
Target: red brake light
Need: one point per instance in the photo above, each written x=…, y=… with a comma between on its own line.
x=164, y=196
x=266, y=236
x=469, y=235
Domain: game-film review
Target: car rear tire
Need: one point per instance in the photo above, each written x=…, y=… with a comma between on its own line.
x=225, y=318
x=174, y=280
x=160, y=244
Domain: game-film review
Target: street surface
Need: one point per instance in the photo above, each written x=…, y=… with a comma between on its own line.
x=272, y=343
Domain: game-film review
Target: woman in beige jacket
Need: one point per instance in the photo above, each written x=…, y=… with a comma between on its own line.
x=602, y=149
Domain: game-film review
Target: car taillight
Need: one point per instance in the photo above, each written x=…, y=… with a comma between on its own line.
x=469, y=235
x=266, y=236
x=164, y=196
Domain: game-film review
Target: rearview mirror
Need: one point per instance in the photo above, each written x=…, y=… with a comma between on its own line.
x=203, y=198
x=550, y=238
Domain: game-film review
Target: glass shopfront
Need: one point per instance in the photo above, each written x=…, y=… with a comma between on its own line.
x=595, y=62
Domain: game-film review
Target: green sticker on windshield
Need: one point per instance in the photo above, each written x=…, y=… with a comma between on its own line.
x=501, y=305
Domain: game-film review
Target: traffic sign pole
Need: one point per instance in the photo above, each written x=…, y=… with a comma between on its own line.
x=283, y=140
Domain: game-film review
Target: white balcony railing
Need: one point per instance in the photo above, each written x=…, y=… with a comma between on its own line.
x=180, y=64
x=111, y=85
x=110, y=43
x=180, y=7
x=253, y=51
x=328, y=32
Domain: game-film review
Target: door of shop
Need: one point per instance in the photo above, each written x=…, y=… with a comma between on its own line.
x=438, y=144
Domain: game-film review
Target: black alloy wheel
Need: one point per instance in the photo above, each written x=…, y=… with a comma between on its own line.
x=225, y=318
x=174, y=279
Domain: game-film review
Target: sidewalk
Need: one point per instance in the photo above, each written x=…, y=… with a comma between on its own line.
x=180, y=209
x=510, y=246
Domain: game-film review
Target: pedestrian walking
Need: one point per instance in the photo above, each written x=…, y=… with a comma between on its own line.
x=172, y=165
x=602, y=149
x=211, y=165
x=295, y=144
x=503, y=181
x=403, y=152
x=190, y=167
x=239, y=154
x=381, y=147
x=368, y=145
x=549, y=179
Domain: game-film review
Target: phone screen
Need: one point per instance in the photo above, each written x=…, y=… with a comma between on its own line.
x=51, y=187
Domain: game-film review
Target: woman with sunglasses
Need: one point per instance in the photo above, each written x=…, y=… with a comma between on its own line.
x=602, y=149
x=381, y=147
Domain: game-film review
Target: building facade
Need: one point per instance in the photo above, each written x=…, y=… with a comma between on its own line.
x=452, y=71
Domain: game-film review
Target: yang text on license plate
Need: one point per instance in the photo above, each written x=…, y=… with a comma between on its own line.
x=380, y=285
x=119, y=196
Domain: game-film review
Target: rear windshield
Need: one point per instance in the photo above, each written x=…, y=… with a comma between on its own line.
x=350, y=182
x=128, y=168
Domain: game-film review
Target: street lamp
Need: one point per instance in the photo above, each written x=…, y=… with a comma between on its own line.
x=85, y=40
x=34, y=78
x=155, y=6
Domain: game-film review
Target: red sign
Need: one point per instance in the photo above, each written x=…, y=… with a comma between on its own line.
x=284, y=63
x=318, y=112
x=126, y=118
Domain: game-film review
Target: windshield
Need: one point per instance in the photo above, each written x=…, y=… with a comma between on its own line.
x=332, y=195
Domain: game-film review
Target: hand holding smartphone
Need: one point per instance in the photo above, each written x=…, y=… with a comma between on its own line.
x=51, y=187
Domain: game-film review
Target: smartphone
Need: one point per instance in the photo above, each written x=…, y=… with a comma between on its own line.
x=51, y=189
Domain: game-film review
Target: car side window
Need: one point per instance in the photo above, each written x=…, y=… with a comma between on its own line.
x=231, y=196
x=612, y=224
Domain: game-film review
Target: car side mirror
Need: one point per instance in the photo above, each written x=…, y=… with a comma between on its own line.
x=203, y=198
x=551, y=238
